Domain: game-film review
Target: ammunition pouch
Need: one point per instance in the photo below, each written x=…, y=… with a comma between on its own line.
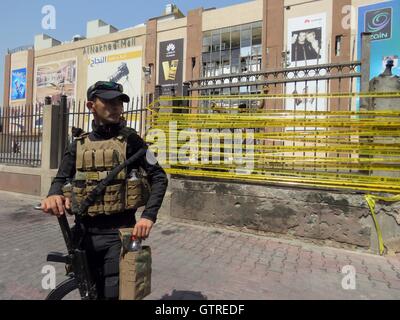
x=118, y=197
x=135, y=269
x=94, y=161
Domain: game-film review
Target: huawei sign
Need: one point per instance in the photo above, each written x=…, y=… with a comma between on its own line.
x=170, y=48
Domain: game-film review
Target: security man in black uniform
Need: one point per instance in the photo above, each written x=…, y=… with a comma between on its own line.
x=102, y=242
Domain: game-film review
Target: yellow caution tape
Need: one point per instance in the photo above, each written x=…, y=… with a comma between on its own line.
x=394, y=94
x=209, y=111
x=295, y=147
x=371, y=200
x=282, y=151
x=277, y=96
x=367, y=135
x=291, y=179
x=293, y=173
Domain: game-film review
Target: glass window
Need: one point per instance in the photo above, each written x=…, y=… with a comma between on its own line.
x=232, y=50
x=226, y=91
x=218, y=69
x=257, y=24
x=206, y=57
x=245, y=52
x=235, y=39
x=235, y=60
x=244, y=65
x=234, y=90
x=206, y=34
x=256, y=36
x=216, y=41
x=256, y=51
x=245, y=36
x=216, y=57
x=225, y=60
x=253, y=89
x=226, y=40
x=207, y=43
x=204, y=71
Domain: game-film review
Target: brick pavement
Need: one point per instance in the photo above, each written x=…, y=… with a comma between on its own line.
x=195, y=262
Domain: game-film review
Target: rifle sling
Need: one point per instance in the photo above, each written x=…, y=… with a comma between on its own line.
x=90, y=199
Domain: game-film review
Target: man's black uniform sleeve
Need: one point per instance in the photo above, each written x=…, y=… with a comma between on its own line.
x=65, y=172
x=157, y=178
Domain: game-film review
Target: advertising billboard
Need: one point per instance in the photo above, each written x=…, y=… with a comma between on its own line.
x=122, y=66
x=170, y=72
x=18, y=84
x=54, y=80
x=380, y=20
x=307, y=45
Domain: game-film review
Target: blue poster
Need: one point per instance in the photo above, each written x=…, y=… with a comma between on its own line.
x=382, y=20
x=18, y=84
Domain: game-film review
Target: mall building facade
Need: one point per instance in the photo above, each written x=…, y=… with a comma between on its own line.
x=240, y=49
x=158, y=56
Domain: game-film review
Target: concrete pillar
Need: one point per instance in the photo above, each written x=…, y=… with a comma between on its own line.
x=194, y=47
x=364, y=86
x=151, y=55
x=272, y=37
x=151, y=62
x=272, y=44
x=6, y=96
x=49, y=144
x=7, y=76
x=365, y=66
x=29, y=109
x=62, y=128
x=344, y=35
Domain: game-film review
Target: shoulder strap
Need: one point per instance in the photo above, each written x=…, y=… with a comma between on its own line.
x=82, y=136
x=125, y=133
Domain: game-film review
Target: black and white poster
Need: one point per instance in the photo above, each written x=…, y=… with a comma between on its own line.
x=307, y=46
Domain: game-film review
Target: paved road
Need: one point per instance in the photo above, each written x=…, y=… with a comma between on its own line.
x=194, y=262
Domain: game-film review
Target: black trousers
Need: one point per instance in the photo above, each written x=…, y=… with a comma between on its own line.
x=103, y=252
x=103, y=248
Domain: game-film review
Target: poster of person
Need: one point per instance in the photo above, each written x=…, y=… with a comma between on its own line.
x=307, y=44
x=307, y=40
x=170, y=73
x=18, y=84
x=54, y=80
